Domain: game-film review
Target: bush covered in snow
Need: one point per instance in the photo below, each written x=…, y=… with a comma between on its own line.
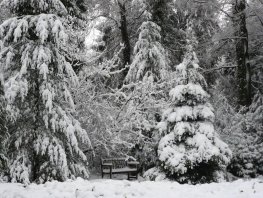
x=154, y=174
x=246, y=140
x=190, y=150
x=240, y=129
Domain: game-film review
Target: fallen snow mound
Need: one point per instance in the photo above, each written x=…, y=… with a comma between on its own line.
x=126, y=189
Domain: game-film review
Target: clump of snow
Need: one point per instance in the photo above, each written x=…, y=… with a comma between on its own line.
x=184, y=113
x=190, y=94
x=154, y=174
x=19, y=171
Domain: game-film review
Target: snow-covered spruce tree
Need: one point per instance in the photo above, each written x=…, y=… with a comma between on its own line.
x=45, y=144
x=149, y=55
x=190, y=150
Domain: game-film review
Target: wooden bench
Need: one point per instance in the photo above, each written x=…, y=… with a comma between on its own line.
x=119, y=166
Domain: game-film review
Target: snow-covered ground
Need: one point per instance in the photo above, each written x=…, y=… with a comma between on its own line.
x=127, y=189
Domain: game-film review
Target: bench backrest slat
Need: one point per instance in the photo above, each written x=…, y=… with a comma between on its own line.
x=116, y=162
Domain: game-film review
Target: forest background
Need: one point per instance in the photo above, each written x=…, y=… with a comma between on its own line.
x=109, y=96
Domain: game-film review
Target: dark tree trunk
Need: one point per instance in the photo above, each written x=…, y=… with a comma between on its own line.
x=159, y=15
x=243, y=73
x=125, y=39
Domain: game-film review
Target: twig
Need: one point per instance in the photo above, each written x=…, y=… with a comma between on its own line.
x=218, y=68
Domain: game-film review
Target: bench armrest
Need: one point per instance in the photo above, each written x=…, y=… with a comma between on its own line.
x=133, y=163
x=106, y=164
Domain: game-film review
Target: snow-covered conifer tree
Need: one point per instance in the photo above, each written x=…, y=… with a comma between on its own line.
x=45, y=143
x=149, y=55
x=190, y=150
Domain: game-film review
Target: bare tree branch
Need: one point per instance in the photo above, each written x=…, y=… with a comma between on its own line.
x=218, y=68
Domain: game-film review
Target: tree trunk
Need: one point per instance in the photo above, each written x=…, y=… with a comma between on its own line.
x=125, y=39
x=159, y=15
x=243, y=73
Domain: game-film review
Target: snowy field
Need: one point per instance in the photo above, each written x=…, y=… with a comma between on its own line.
x=132, y=189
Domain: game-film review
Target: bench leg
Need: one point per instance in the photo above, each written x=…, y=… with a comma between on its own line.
x=102, y=175
x=110, y=172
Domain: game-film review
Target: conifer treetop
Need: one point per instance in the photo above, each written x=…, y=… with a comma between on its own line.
x=34, y=7
x=149, y=55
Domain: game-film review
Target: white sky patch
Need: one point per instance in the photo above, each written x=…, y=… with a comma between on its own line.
x=92, y=36
x=94, y=33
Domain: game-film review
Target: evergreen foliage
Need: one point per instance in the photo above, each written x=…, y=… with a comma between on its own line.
x=45, y=144
x=240, y=129
x=149, y=56
x=246, y=140
x=190, y=150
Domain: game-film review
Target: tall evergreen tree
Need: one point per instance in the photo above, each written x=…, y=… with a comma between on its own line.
x=190, y=150
x=149, y=55
x=46, y=142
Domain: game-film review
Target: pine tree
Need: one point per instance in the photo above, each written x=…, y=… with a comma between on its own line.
x=45, y=144
x=149, y=55
x=190, y=150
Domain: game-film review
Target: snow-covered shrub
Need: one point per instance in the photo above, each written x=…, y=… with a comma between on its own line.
x=241, y=130
x=154, y=174
x=100, y=110
x=120, y=122
x=190, y=149
x=246, y=140
x=143, y=114
x=45, y=142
